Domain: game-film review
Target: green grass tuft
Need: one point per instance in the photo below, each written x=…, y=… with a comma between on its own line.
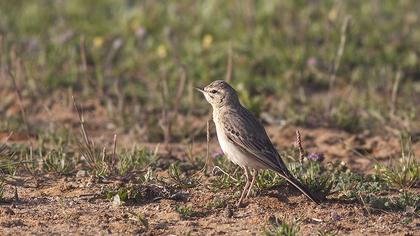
x=278, y=227
x=403, y=172
x=406, y=201
x=185, y=211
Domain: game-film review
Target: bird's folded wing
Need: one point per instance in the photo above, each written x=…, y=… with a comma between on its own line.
x=243, y=130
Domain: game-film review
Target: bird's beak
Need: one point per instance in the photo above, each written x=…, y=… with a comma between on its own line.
x=200, y=89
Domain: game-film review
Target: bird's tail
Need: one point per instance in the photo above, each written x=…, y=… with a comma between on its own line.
x=291, y=179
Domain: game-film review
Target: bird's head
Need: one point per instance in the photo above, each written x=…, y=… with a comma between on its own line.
x=219, y=93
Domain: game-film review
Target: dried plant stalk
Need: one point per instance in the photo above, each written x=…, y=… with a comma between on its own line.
x=300, y=147
x=340, y=51
x=207, y=143
x=228, y=76
x=394, y=94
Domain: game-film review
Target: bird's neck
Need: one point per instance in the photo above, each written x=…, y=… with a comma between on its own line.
x=218, y=111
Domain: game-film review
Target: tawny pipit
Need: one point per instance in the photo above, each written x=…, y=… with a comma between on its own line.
x=243, y=139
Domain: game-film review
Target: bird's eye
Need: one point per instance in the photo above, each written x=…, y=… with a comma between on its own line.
x=213, y=91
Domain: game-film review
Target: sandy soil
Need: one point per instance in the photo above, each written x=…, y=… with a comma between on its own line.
x=58, y=205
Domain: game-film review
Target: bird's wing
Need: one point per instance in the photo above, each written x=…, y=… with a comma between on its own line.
x=244, y=130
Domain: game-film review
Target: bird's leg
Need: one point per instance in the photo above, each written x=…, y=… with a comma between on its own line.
x=254, y=176
x=246, y=186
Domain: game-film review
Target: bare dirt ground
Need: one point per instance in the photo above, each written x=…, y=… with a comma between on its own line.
x=66, y=206
x=70, y=205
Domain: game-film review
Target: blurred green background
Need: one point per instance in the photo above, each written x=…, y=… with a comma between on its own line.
x=345, y=64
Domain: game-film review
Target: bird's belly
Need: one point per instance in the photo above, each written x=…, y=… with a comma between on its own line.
x=235, y=154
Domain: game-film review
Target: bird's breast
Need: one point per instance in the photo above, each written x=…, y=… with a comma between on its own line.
x=232, y=151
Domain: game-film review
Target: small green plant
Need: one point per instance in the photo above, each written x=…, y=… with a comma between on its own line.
x=175, y=173
x=405, y=201
x=122, y=192
x=314, y=175
x=95, y=158
x=58, y=161
x=278, y=227
x=225, y=180
x=10, y=158
x=179, y=178
x=3, y=149
x=5, y=158
x=226, y=176
x=55, y=138
x=148, y=176
x=215, y=203
x=403, y=172
x=141, y=218
x=267, y=179
x=351, y=185
x=7, y=166
x=127, y=193
x=2, y=185
x=223, y=163
x=185, y=211
x=135, y=160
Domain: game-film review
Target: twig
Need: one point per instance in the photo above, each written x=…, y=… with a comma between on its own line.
x=395, y=92
x=164, y=122
x=339, y=51
x=103, y=154
x=114, y=151
x=228, y=76
x=82, y=122
x=120, y=97
x=180, y=91
x=190, y=96
x=8, y=136
x=83, y=54
x=207, y=143
x=208, y=138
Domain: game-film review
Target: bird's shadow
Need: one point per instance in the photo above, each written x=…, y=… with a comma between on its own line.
x=282, y=193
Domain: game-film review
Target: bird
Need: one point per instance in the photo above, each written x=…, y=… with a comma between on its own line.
x=244, y=140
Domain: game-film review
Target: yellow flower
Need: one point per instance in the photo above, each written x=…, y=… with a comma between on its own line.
x=332, y=15
x=98, y=41
x=207, y=41
x=161, y=51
